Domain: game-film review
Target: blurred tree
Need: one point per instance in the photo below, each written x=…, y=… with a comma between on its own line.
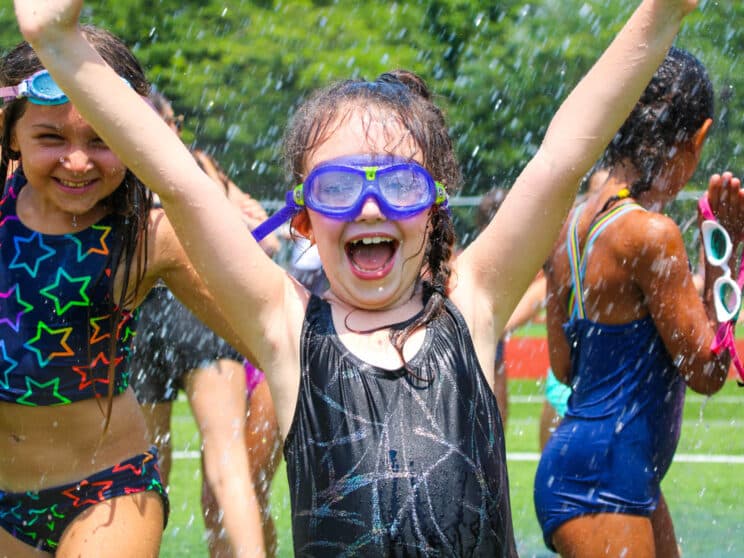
x=237, y=68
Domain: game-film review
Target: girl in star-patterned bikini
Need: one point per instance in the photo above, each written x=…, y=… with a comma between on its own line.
x=79, y=249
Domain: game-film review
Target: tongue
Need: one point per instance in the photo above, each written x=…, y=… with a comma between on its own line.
x=370, y=257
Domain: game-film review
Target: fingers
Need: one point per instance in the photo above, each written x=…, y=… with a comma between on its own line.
x=727, y=202
x=252, y=208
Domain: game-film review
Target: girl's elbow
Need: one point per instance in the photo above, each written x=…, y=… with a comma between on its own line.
x=708, y=379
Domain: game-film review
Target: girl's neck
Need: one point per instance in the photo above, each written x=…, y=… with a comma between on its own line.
x=42, y=216
x=622, y=177
x=364, y=321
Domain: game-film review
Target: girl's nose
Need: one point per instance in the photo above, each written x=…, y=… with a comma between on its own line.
x=370, y=211
x=77, y=161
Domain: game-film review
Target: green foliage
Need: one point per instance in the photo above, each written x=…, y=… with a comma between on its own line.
x=238, y=68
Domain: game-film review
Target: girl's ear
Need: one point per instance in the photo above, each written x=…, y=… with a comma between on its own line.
x=13, y=153
x=699, y=138
x=300, y=223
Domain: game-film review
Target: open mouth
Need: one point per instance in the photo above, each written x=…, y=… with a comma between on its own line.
x=371, y=255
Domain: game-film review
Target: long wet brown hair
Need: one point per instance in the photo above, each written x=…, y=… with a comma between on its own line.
x=130, y=202
x=406, y=97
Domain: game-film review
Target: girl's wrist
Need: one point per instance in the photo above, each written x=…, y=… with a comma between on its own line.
x=672, y=11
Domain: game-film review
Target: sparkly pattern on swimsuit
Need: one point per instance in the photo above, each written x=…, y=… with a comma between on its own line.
x=39, y=518
x=382, y=464
x=49, y=286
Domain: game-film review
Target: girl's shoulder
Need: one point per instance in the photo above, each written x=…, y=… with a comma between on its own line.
x=649, y=230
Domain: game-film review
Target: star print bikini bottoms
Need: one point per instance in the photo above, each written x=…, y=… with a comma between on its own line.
x=39, y=518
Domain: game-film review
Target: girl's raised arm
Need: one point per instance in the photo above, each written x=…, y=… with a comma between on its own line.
x=242, y=278
x=502, y=261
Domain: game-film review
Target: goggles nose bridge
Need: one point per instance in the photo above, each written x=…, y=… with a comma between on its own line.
x=370, y=174
x=369, y=192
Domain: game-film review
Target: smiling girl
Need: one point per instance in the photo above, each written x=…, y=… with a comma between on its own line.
x=79, y=249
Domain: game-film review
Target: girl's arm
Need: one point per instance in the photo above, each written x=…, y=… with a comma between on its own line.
x=555, y=316
x=243, y=279
x=167, y=260
x=684, y=323
x=529, y=305
x=502, y=261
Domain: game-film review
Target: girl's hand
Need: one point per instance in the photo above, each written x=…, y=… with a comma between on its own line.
x=252, y=209
x=39, y=19
x=727, y=202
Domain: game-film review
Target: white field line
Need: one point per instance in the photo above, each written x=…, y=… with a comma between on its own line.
x=538, y=398
x=532, y=457
x=716, y=399
x=678, y=458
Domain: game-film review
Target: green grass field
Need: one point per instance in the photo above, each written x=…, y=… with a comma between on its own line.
x=704, y=488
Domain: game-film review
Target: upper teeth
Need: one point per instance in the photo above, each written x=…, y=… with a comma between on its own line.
x=71, y=184
x=373, y=240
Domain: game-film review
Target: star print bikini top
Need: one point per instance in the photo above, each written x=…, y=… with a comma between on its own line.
x=56, y=311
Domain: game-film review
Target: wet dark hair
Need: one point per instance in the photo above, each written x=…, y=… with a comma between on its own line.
x=406, y=96
x=130, y=202
x=673, y=107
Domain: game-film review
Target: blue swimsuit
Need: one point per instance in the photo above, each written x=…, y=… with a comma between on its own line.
x=621, y=429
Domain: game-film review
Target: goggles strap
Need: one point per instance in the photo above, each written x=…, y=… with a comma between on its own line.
x=277, y=219
x=705, y=209
x=724, y=340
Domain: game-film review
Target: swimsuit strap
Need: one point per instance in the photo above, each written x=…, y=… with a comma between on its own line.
x=578, y=261
x=572, y=247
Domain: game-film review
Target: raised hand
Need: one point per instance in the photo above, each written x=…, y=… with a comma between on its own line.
x=684, y=6
x=726, y=199
x=38, y=19
x=252, y=210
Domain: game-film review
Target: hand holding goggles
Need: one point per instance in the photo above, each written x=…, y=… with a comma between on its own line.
x=718, y=248
x=726, y=292
x=39, y=89
x=339, y=189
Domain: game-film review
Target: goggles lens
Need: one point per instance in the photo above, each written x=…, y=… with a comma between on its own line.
x=727, y=298
x=717, y=243
x=339, y=191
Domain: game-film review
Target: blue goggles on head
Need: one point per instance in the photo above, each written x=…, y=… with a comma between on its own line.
x=40, y=89
x=340, y=188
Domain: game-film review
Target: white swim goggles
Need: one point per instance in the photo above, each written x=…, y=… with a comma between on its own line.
x=718, y=248
x=726, y=292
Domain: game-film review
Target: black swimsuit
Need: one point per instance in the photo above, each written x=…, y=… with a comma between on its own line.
x=383, y=464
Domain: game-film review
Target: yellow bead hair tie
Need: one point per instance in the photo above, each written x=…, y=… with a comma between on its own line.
x=624, y=193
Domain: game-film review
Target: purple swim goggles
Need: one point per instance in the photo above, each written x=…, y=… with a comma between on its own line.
x=339, y=188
